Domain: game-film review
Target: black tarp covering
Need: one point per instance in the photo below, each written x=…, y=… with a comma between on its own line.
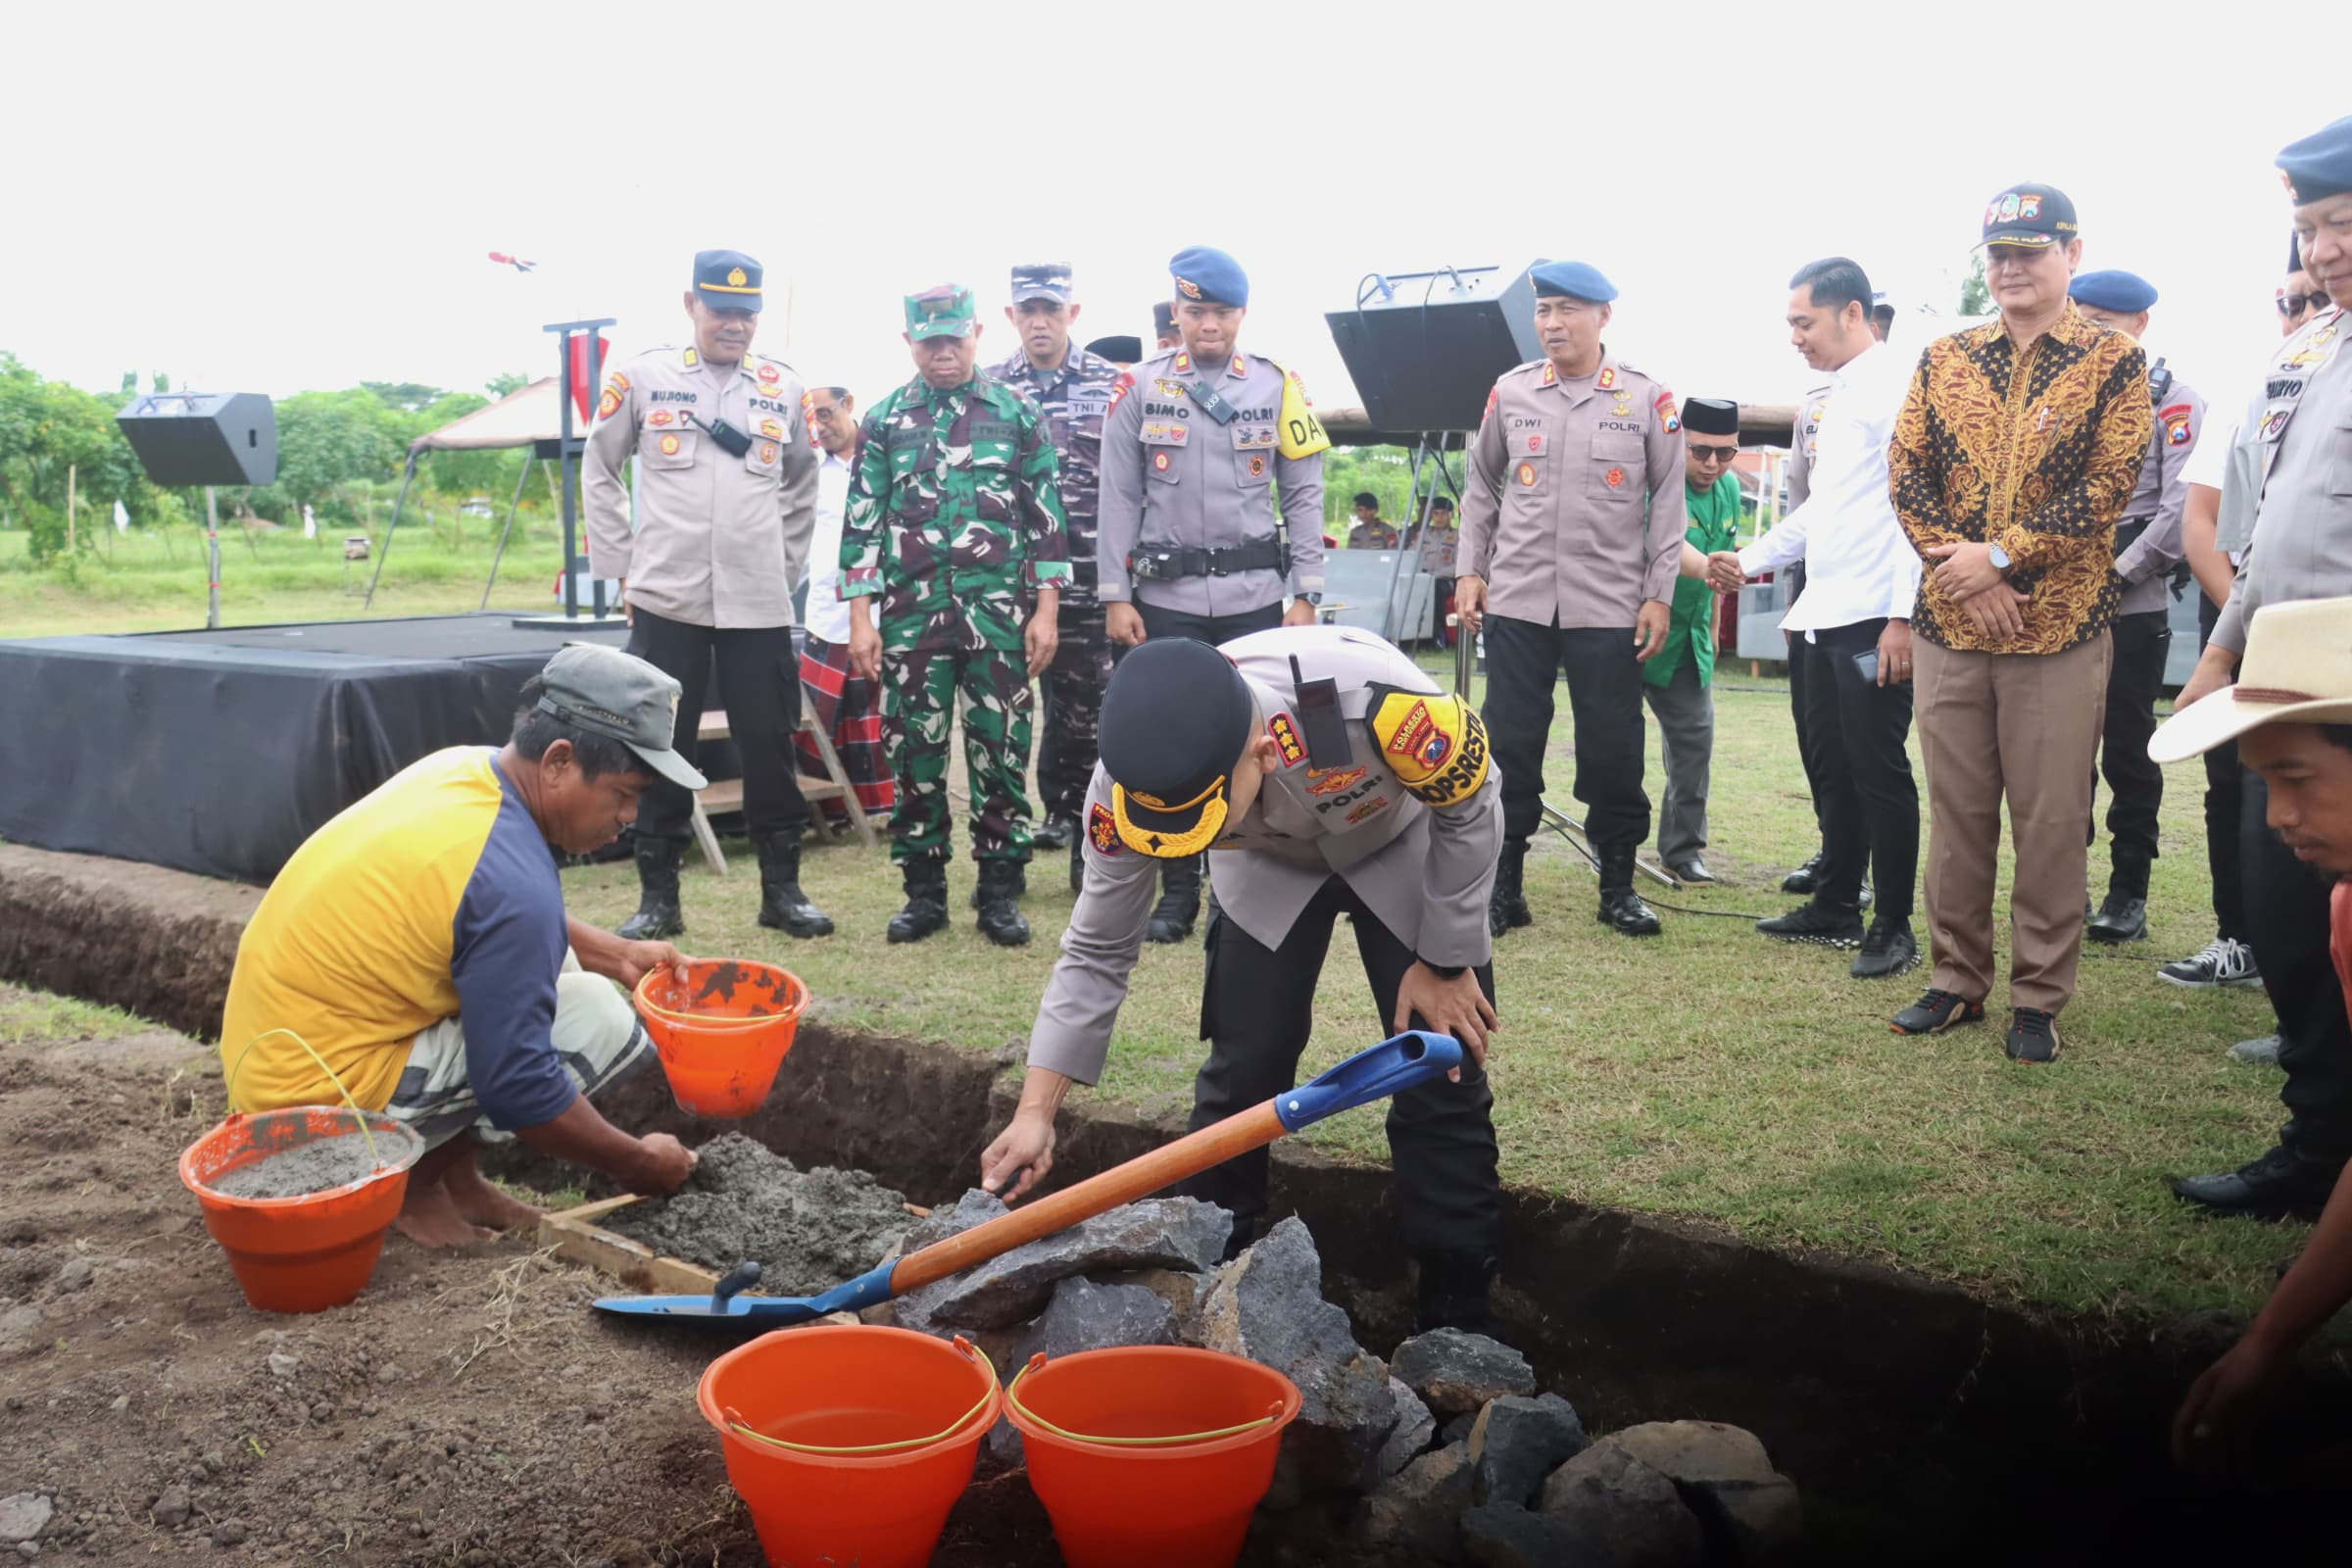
x=219, y=751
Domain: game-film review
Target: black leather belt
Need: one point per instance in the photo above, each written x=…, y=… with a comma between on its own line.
x=1163, y=563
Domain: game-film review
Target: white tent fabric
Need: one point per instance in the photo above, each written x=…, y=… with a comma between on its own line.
x=520, y=419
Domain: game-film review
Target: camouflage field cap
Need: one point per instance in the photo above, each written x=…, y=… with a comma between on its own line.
x=944, y=310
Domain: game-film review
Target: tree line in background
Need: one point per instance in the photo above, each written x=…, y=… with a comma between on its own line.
x=332, y=449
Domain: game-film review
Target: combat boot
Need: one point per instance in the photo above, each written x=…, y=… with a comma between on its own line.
x=1053, y=833
x=782, y=903
x=1506, y=905
x=926, y=908
x=1620, y=906
x=1179, y=900
x=1000, y=887
x=1020, y=883
x=1452, y=1292
x=658, y=918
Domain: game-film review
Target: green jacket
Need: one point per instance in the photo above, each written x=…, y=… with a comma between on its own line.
x=955, y=504
x=1691, y=635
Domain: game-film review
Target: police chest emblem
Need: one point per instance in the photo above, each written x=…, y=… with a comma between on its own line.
x=669, y=446
x=1332, y=780
x=771, y=429
x=1159, y=462
x=1257, y=465
x=1615, y=478
x=1534, y=441
x=1378, y=803
x=770, y=375
x=660, y=416
x=767, y=452
x=1527, y=474
x=1101, y=829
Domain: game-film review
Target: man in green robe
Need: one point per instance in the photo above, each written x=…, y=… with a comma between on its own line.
x=1677, y=681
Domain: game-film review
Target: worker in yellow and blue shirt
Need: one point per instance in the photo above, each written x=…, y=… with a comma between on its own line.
x=415, y=955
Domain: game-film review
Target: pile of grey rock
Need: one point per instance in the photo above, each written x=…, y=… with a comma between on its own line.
x=1449, y=1449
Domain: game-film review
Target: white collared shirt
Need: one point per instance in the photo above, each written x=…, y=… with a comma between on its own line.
x=827, y=618
x=1858, y=563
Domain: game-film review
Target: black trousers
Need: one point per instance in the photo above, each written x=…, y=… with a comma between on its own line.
x=2225, y=804
x=2286, y=923
x=2134, y=783
x=759, y=686
x=1210, y=629
x=1869, y=802
x=1256, y=1012
x=1604, y=698
x=1808, y=745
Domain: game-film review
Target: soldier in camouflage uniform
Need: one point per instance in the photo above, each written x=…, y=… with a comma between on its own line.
x=955, y=524
x=1073, y=389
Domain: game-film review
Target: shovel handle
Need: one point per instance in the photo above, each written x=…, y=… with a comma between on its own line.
x=1140, y=1177
x=1409, y=1060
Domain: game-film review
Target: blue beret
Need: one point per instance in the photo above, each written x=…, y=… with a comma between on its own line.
x=1210, y=276
x=2319, y=165
x=2111, y=290
x=1573, y=279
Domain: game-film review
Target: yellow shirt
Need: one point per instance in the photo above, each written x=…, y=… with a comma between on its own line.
x=434, y=894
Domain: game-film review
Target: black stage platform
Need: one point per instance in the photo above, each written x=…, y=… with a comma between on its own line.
x=218, y=752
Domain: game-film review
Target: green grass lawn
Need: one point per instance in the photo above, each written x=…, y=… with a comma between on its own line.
x=1711, y=1074
x=146, y=581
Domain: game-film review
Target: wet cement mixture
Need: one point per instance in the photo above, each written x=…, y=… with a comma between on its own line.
x=808, y=1229
x=311, y=1168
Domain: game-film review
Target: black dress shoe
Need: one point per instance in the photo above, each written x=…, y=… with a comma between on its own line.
x=1623, y=909
x=1805, y=878
x=2280, y=1185
x=1692, y=870
x=1053, y=833
x=2122, y=918
x=1830, y=925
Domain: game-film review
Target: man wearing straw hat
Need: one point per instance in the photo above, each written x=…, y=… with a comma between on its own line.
x=2290, y=713
x=415, y=957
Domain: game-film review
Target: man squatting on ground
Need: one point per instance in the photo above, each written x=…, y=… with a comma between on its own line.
x=1331, y=777
x=417, y=944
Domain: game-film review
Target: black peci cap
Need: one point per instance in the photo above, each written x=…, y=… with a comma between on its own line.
x=1175, y=718
x=1123, y=349
x=1711, y=416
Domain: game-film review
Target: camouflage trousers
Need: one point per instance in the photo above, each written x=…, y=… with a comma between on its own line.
x=1073, y=696
x=983, y=667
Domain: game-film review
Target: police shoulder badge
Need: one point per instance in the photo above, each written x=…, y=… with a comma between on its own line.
x=1287, y=743
x=1432, y=742
x=2177, y=431
x=1102, y=831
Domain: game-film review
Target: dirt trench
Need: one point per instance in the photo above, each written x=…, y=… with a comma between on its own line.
x=1907, y=1411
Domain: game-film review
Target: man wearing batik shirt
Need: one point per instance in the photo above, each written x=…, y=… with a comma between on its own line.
x=2012, y=459
x=845, y=705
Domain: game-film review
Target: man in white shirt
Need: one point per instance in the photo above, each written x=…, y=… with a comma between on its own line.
x=1853, y=617
x=846, y=705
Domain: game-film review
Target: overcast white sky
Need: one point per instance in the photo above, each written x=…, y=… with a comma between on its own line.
x=274, y=199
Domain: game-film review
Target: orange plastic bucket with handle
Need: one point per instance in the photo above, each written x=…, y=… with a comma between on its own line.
x=1152, y=1457
x=309, y=1252
x=722, y=1032
x=849, y=1445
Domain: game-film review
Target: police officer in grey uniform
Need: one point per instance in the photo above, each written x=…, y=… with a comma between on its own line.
x=1211, y=496
x=1572, y=539
x=2152, y=562
x=2295, y=456
x=1330, y=776
x=1074, y=387
x=726, y=480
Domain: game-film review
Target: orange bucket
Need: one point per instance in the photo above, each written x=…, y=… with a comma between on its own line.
x=1125, y=1492
x=309, y=1252
x=721, y=1032
x=849, y=1445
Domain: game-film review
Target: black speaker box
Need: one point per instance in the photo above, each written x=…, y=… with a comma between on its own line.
x=202, y=437
x=1425, y=350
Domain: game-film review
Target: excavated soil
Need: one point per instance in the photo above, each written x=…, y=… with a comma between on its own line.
x=807, y=1230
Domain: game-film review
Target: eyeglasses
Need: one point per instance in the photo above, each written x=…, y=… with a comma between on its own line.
x=2292, y=304
x=1714, y=454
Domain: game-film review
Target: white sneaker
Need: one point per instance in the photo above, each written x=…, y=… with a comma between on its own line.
x=2223, y=961
x=2263, y=1052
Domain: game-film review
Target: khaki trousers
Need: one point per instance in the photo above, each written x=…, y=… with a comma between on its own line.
x=2024, y=726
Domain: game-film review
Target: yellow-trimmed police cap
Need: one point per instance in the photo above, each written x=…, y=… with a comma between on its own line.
x=1175, y=718
x=726, y=281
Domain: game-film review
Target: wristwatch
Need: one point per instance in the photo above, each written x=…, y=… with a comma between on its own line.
x=1445, y=971
x=1314, y=598
x=2000, y=558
